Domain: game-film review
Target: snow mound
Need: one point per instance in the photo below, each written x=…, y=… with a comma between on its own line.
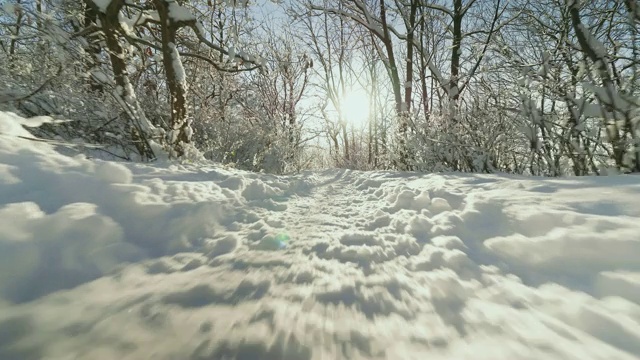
x=41, y=253
x=113, y=173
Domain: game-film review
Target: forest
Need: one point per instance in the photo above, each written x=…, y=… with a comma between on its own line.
x=541, y=88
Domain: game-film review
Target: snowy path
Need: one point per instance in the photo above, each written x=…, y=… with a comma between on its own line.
x=101, y=260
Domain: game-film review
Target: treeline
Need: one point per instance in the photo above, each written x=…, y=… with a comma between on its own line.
x=544, y=87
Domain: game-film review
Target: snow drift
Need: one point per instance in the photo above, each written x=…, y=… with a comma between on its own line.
x=104, y=260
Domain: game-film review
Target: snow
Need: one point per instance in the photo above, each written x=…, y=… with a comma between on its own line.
x=621, y=102
x=178, y=12
x=232, y=53
x=102, y=4
x=101, y=76
x=105, y=260
x=177, y=65
x=594, y=44
x=9, y=8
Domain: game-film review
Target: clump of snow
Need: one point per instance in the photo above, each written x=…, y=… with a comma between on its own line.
x=360, y=238
x=258, y=190
x=11, y=124
x=381, y=220
x=113, y=173
x=403, y=199
x=8, y=7
x=594, y=44
x=178, y=12
x=224, y=245
x=176, y=62
x=368, y=183
x=448, y=242
x=439, y=205
x=420, y=227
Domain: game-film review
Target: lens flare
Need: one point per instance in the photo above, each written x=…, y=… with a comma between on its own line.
x=282, y=239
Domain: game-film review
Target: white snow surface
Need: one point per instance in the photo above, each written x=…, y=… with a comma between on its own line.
x=179, y=13
x=106, y=260
x=181, y=76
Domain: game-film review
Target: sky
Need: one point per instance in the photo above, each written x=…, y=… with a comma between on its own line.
x=114, y=260
x=356, y=104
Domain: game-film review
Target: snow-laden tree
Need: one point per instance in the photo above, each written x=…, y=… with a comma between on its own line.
x=163, y=20
x=577, y=85
x=546, y=87
x=331, y=41
x=374, y=17
x=55, y=70
x=125, y=49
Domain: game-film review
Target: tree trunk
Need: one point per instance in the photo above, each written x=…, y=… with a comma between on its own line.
x=93, y=48
x=140, y=127
x=613, y=131
x=392, y=68
x=176, y=82
x=454, y=92
x=16, y=34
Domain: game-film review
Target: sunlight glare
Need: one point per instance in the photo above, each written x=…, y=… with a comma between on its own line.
x=355, y=107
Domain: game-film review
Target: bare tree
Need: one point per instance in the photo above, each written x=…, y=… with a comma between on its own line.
x=374, y=18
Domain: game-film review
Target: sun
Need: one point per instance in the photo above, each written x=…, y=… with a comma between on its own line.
x=355, y=107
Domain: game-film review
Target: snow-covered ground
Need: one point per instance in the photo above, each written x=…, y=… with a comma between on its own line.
x=104, y=260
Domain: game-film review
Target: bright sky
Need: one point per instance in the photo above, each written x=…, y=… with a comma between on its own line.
x=356, y=102
x=356, y=107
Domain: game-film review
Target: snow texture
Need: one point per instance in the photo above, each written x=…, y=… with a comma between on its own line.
x=594, y=44
x=179, y=13
x=176, y=62
x=105, y=260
